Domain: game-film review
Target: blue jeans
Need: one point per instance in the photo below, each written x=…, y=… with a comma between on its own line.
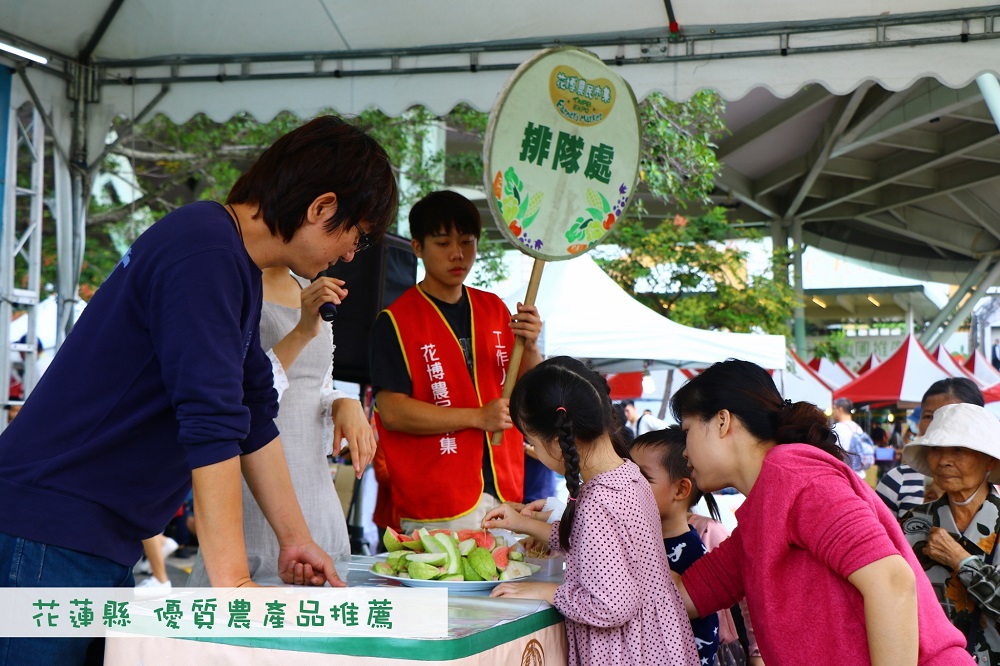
x=25, y=563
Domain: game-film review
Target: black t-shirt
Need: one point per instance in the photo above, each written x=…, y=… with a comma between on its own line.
x=388, y=366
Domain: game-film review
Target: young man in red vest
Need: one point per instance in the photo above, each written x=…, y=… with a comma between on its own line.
x=438, y=358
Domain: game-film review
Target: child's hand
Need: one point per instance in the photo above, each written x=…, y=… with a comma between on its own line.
x=506, y=516
x=541, y=591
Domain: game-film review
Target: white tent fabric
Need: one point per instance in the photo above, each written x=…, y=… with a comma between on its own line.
x=45, y=325
x=587, y=315
x=835, y=374
x=392, y=54
x=981, y=368
x=800, y=383
x=947, y=362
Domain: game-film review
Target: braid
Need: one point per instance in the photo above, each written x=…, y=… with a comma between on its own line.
x=571, y=461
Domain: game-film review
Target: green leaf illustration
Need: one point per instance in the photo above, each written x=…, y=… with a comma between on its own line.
x=604, y=203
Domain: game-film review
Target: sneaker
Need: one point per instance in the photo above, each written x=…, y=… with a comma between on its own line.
x=152, y=582
x=169, y=546
x=144, y=567
x=152, y=588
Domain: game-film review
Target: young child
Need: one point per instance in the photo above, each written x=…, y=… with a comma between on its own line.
x=660, y=457
x=620, y=603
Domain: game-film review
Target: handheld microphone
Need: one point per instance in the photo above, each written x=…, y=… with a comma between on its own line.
x=327, y=311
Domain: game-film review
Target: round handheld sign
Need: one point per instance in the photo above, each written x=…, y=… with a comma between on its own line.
x=561, y=154
x=561, y=161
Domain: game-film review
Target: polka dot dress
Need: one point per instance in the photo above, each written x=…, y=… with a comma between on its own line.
x=620, y=604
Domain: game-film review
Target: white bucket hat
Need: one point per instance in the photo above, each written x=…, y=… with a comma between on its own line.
x=965, y=425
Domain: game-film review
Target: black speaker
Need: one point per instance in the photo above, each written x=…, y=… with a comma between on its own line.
x=374, y=279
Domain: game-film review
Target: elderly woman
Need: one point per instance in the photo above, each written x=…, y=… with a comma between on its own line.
x=955, y=536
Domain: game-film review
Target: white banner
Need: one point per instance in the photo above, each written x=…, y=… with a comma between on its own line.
x=303, y=612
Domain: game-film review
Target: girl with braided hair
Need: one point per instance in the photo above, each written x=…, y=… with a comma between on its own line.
x=620, y=603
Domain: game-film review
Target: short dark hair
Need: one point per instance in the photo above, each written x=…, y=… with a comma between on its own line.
x=440, y=212
x=327, y=154
x=962, y=388
x=670, y=443
x=844, y=403
x=627, y=403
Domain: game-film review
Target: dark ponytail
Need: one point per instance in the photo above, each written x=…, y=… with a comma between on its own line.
x=562, y=399
x=747, y=391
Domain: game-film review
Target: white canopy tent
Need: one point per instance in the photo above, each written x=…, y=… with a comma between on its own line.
x=799, y=382
x=586, y=314
x=139, y=57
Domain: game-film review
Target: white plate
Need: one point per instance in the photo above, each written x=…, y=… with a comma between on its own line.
x=450, y=585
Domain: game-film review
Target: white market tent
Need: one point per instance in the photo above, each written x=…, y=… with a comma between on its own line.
x=862, y=82
x=586, y=314
x=981, y=369
x=833, y=373
x=800, y=383
x=946, y=361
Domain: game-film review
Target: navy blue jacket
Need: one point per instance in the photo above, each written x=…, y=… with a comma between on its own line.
x=163, y=373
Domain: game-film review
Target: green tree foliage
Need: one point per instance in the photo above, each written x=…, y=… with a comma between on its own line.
x=686, y=268
x=833, y=347
x=201, y=160
x=689, y=270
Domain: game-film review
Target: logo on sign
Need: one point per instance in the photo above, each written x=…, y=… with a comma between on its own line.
x=581, y=101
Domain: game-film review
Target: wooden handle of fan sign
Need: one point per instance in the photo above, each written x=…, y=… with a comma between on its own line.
x=515, y=357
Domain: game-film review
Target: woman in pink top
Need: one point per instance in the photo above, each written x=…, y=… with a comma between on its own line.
x=824, y=566
x=620, y=604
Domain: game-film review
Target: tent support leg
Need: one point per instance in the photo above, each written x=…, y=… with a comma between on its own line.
x=800, y=310
x=667, y=389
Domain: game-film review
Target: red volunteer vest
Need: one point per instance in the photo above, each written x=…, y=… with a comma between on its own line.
x=439, y=477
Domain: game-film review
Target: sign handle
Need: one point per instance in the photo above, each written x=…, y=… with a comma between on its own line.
x=515, y=357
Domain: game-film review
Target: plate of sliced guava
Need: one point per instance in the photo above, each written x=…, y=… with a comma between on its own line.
x=457, y=560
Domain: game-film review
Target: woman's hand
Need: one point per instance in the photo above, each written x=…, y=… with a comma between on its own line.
x=541, y=591
x=323, y=290
x=942, y=548
x=350, y=423
x=506, y=516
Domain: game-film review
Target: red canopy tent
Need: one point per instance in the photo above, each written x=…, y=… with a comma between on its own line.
x=948, y=362
x=992, y=394
x=625, y=385
x=903, y=377
x=833, y=373
x=981, y=368
x=872, y=362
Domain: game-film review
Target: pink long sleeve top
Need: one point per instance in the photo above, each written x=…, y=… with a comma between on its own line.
x=620, y=604
x=808, y=523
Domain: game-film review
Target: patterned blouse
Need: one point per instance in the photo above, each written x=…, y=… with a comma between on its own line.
x=976, y=584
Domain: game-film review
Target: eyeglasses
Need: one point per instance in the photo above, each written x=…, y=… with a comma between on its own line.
x=364, y=240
